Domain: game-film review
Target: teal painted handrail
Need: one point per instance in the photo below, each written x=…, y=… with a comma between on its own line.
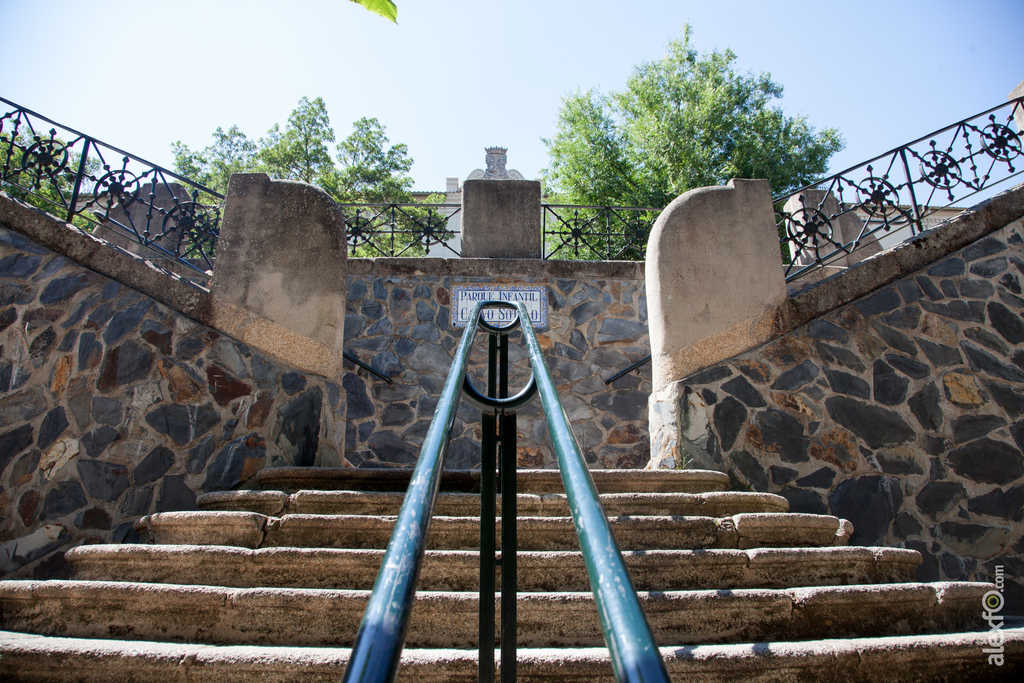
x=634, y=654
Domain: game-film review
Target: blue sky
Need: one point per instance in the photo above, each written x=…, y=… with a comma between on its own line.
x=455, y=77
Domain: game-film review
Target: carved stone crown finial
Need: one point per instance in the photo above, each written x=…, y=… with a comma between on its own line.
x=496, y=158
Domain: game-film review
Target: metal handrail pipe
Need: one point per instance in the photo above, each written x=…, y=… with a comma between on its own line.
x=634, y=653
x=381, y=636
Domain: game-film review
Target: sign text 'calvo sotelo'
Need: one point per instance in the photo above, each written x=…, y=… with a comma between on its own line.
x=465, y=297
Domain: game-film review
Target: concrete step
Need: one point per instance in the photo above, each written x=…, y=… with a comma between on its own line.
x=277, y=503
x=458, y=570
x=308, y=617
x=468, y=481
x=253, y=530
x=900, y=659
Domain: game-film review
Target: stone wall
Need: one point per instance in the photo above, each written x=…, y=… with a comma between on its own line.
x=398, y=322
x=113, y=406
x=902, y=411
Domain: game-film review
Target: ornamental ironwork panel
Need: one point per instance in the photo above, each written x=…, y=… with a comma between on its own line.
x=107, y=192
x=597, y=233
x=822, y=223
x=408, y=230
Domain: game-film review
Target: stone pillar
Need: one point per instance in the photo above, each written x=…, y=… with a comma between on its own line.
x=501, y=219
x=821, y=206
x=1018, y=114
x=714, y=281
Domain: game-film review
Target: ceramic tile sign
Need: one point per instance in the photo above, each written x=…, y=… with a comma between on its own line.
x=464, y=297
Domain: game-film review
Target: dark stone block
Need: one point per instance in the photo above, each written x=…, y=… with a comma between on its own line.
x=971, y=427
x=386, y=363
x=106, y=411
x=823, y=329
x=982, y=248
x=239, y=460
x=804, y=501
x=890, y=389
x=93, y=518
x=783, y=434
x=403, y=347
x=987, y=461
x=712, y=374
x=905, y=318
x=293, y=383
x=67, y=344
x=396, y=414
x=64, y=287
x=905, y=525
x=264, y=372
x=967, y=311
x=710, y=397
x=1007, y=323
x=982, y=361
x=909, y=367
x=939, y=355
x=1007, y=504
x=7, y=318
x=11, y=293
x=929, y=288
x=617, y=329
x=819, y=479
x=1008, y=398
x=100, y=316
x=988, y=268
x=950, y=267
x=751, y=470
x=797, y=377
x=928, y=570
x=935, y=445
x=896, y=340
x=390, y=448
x=183, y=423
x=729, y=417
x=876, y=426
x=300, y=425
x=52, y=427
x=41, y=345
x=839, y=356
x=909, y=290
x=424, y=311
x=153, y=466
x=1010, y=282
x=624, y=404
x=96, y=441
x=175, y=495
x=745, y=392
x=926, y=408
x=63, y=499
x=125, y=321
x=356, y=289
x=372, y=310
x=783, y=475
x=223, y=386
x=845, y=383
x=383, y=327
x=124, y=364
x=137, y=501
x=977, y=289
x=375, y=344
x=19, y=266
x=199, y=454
x=890, y=463
x=427, y=332
x=90, y=350
x=870, y=503
x=986, y=338
x=380, y=292
x=577, y=339
x=880, y=302
x=157, y=336
x=14, y=442
x=103, y=480
x=586, y=310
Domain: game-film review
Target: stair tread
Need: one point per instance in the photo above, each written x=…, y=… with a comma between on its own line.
x=712, y=503
x=536, y=481
x=459, y=569
x=894, y=658
x=298, y=616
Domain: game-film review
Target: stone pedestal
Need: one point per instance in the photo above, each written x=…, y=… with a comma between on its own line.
x=501, y=219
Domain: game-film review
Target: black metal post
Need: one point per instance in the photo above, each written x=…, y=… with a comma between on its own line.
x=917, y=227
x=488, y=513
x=73, y=206
x=509, y=584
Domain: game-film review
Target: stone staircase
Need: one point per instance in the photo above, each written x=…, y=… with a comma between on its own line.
x=271, y=584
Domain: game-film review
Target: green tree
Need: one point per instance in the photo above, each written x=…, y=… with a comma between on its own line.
x=687, y=120
x=384, y=8
x=300, y=152
x=231, y=152
x=370, y=170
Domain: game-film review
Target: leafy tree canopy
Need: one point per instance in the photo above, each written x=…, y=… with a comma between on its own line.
x=687, y=120
x=384, y=8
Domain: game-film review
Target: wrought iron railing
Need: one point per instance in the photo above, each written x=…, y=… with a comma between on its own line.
x=103, y=190
x=381, y=637
x=596, y=233
x=400, y=229
x=821, y=223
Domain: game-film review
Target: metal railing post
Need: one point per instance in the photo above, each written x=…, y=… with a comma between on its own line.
x=509, y=542
x=488, y=513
